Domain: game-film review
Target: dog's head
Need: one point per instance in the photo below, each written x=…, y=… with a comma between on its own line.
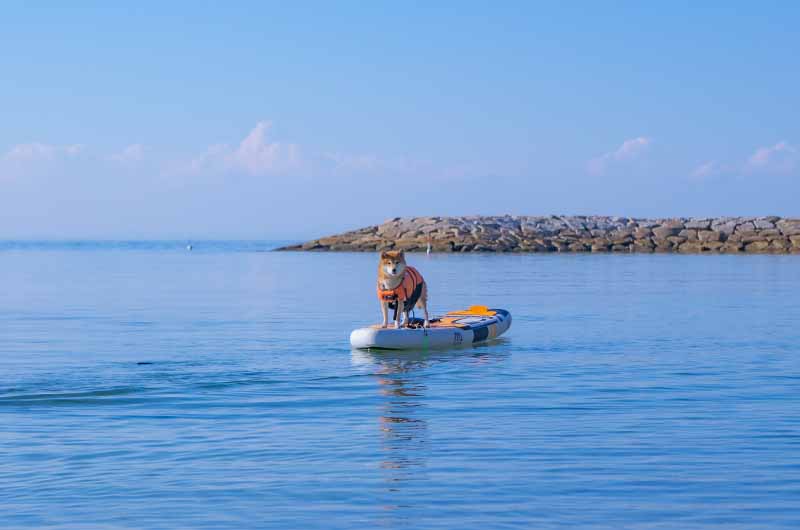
x=393, y=262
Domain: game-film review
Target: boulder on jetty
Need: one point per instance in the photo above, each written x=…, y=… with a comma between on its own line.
x=569, y=234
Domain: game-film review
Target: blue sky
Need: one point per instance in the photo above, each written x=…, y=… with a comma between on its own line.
x=288, y=120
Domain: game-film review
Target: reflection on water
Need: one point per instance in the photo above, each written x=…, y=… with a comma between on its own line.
x=403, y=416
x=404, y=430
x=400, y=417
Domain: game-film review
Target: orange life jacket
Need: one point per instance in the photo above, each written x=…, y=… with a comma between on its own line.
x=408, y=291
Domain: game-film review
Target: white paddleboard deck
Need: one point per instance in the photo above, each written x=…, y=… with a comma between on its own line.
x=457, y=328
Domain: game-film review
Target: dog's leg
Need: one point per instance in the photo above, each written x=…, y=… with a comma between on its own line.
x=400, y=307
x=385, y=313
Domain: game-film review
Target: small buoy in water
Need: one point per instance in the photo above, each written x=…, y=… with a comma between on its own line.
x=428, y=251
x=188, y=247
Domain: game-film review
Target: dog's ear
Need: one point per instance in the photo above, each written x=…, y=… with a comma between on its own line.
x=401, y=254
x=384, y=254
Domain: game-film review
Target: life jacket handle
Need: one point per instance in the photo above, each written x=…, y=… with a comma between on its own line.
x=388, y=295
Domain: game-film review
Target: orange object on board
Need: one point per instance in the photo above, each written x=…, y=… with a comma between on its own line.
x=477, y=310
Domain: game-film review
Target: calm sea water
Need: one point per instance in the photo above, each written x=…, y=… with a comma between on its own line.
x=145, y=386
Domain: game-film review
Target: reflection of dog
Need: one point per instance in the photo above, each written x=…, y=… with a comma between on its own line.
x=400, y=287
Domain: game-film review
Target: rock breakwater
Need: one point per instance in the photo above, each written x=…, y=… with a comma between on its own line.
x=569, y=234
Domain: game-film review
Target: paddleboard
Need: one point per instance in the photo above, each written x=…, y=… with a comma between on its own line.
x=457, y=328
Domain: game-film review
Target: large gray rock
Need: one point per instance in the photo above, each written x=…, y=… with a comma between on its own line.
x=762, y=224
x=691, y=247
x=732, y=247
x=708, y=235
x=727, y=226
x=756, y=246
x=712, y=245
x=780, y=245
x=663, y=232
x=699, y=224
x=789, y=227
x=750, y=236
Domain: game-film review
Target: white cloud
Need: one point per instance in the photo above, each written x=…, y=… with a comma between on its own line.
x=629, y=150
x=779, y=158
x=132, y=153
x=707, y=170
x=255, y=155
x=38, y=151
x=258, y=155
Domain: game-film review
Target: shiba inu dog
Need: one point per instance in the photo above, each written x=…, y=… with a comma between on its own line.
x=400, y=286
